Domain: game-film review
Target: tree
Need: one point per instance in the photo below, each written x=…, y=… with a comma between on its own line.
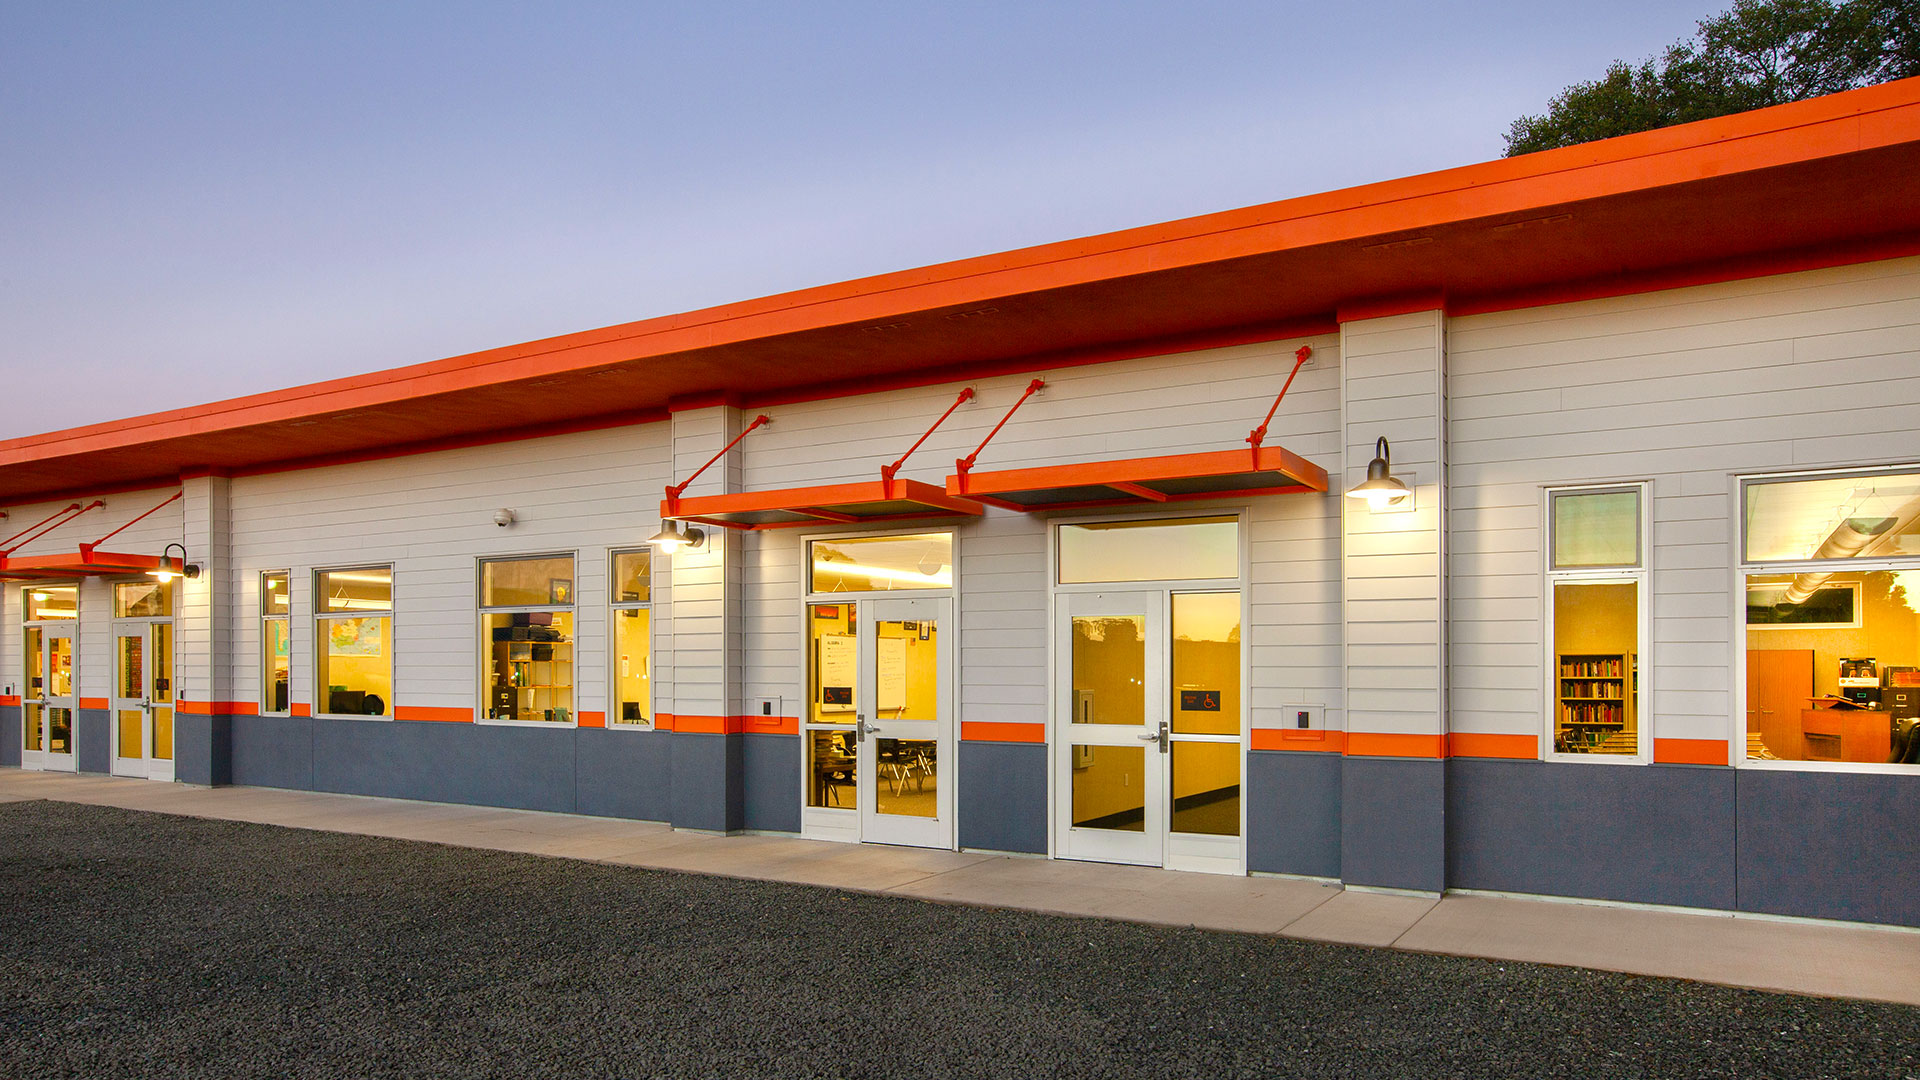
x=1758, y=53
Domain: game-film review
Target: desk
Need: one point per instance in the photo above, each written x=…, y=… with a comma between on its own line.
x=1846, y=734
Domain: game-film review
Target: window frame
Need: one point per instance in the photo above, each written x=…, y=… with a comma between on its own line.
x=391, y=614
x=613, y=643
x=483, y=644
x=1640, y=575
x=260, y=603
x=1744, y=569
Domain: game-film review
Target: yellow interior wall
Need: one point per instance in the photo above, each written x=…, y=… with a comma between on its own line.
x=1889, y=632
x=631, y=649
x=1598, y=619
x=1113, y=783
x=1109, y=668
x=923, y=672
x=817, y=628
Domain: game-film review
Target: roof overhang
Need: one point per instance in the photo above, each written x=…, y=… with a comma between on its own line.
x=1264, y=470
x=867, y=502
x=1813, y=183
x=75, y=564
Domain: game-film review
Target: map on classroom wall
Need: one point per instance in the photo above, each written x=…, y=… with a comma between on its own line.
x=354, y=637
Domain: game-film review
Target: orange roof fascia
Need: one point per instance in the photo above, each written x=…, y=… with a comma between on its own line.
x=1857, y=120
x=804, y=500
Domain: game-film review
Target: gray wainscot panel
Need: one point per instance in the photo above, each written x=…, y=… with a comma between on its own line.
x=770, y=782
x=10, y=735
x=1393, y=823
x=1649, y=834
x=522, y=768
x=93, y=740
x=1830, y=845
x=202, y=749
x=1002, y=795
x=273, y=751
x=625, y=774
x=706, y=781
x=1293, y=813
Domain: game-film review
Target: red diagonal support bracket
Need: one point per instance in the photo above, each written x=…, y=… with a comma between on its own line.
x=887, y=472
x=1259, y=434
x=46, y=525
x=674, y=490
x=87, y=549
x=965, y=464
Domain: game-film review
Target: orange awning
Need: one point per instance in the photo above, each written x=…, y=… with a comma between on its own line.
x=82, y=563
x=1222, y=474
x=839, y=504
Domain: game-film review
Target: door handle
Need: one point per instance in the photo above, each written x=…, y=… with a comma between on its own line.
x=862, y=729
x=1157, y=736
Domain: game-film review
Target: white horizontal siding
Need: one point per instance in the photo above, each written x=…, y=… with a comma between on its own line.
x=1685, y=388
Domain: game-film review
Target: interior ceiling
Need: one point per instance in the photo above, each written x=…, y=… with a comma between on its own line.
x=1610, y=244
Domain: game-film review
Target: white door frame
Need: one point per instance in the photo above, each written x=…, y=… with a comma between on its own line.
x=873, y=726
x=846, y=824
x=144, y=764
x=46, y=758
x=1179, y=851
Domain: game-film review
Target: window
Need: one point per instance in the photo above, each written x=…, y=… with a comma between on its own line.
x=882, y=563
x=632, y=594
x=353, y=641
x=526, y=638
x=276, y=641
x=46, y=603
x=148, y=599
x=1187, y=549
x=1831, y=594
x=1596, y=606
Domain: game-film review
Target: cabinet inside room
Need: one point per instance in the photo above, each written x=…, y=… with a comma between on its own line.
x=531, y=665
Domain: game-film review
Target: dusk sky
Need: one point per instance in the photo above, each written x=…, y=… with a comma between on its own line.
x=202, y=200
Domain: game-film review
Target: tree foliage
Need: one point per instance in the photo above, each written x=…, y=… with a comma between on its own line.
x=1758, y=53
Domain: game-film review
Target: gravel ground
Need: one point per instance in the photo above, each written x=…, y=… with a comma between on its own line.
x=144, y=945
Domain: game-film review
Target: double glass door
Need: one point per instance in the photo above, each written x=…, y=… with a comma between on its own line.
x=1148, y=740
x=47, y=707
x=142, y=703
x=878, y=731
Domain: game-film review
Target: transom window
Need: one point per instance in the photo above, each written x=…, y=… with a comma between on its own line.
x=147, y=599
x=1186, y=549
x=881, y=563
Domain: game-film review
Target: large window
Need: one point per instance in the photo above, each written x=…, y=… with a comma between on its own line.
x=1596, y=608
x=1183, y=549
x=353, y=641
x=631, y=597
x=276, y=642
x=526, y=638
x=1831, y=595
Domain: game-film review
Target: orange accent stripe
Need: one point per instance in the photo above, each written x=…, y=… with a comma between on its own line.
x=9, y=699
x=1382, y=744
x=216, y=708
x=727, y=725
x=1002, y=731
x=435, y=713
x=593, y=719
x=1304, y=740
x=301, y=710
x=1690, y=751
x=93, y=703
x=1475, y=744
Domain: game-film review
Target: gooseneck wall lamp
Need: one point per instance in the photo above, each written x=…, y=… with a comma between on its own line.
x=171, y=567
x=672, y=538
x=1381, y=489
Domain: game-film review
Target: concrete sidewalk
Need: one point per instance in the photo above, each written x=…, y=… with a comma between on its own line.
x=1838, y=960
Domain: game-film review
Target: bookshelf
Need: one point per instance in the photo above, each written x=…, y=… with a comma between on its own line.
x=532, y=673
x=1594, y=701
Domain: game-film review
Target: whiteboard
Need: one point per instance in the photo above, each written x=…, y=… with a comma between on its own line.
x=891, y=677
x=838, y=666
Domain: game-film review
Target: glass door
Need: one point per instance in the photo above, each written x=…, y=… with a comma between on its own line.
x=878, y=729
x=47, y=707
x=903, y=724
x=1149, y=747
x=142, y=704
x=1111, y=742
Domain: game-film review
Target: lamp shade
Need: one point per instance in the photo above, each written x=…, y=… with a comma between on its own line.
x=1381, y=488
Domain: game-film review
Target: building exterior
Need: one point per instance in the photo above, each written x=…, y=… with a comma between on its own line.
x=1004, y=569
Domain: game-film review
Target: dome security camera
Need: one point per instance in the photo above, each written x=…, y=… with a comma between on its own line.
x=503, y=518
